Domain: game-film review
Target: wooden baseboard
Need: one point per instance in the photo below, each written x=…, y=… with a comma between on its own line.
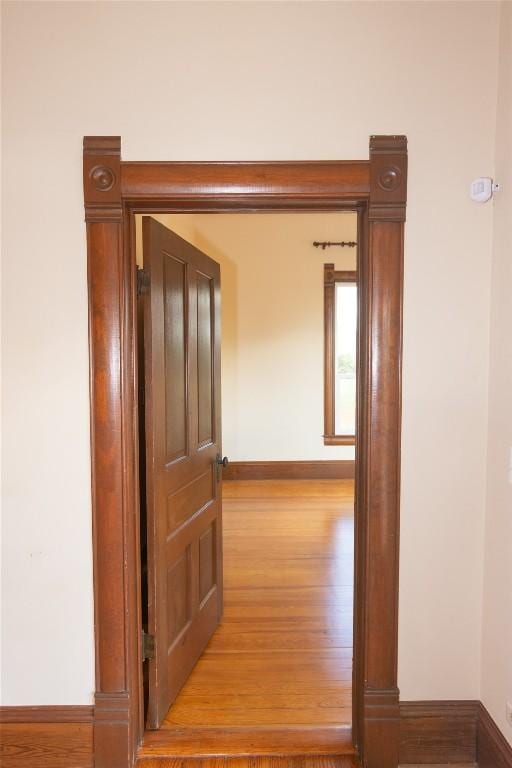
x=438, y=731
x=381, y=708
x=451, y=732
x=493, y=750
x=47, y=714
x=40, y=737
x=290, y=470
x=430, y=732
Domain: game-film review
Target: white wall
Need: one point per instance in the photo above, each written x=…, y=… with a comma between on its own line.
x=244, y=81
x=497, y=615
x=272, y=285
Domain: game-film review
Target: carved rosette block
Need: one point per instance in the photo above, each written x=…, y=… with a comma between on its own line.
x=102, y=178
x=329, y=270
x=388, y=178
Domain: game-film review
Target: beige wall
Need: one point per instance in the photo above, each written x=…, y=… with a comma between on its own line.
x=252, y=81
x=497, y=614
x=272, y=327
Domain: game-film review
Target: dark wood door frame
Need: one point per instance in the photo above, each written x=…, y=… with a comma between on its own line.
x=114, y=191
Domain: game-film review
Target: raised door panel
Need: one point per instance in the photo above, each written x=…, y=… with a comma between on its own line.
x=182, y=417
x=205, y=404
x=175, y=338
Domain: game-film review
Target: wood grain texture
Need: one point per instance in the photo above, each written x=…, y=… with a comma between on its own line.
x=257, y=761
x=46, y=745
x=47, y=714
x=248, y=741
x=372, y=189
x=240, y=678
x=290, y=470
x=493, y=750
x=438, y=731
x=276, y=675
x=183, y=428
x=234, y=185
x=111, y=281
x=380, y=276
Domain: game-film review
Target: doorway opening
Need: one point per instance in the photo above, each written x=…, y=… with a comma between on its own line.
x=115, y=191
x=247, y=566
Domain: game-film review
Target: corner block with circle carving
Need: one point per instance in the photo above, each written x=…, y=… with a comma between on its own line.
x=102, y=177
x=102, y=174
x=388, y=177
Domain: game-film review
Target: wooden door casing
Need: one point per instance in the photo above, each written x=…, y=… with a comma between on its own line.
x=114, y=191
x=183, y=441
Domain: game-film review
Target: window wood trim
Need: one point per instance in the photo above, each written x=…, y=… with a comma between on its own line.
x=331, y=277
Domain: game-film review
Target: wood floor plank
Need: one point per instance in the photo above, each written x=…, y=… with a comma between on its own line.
x=317, y=761
x=275, y=679
x=239, y=741
x=260, y=700
x=299, y=573
x=288, y=488
x=309, y=601
x=268, y=637
x=271, y=669
x=329, y=663
x=187, y=713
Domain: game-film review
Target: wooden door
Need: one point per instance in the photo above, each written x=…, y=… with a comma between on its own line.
x=183, y=476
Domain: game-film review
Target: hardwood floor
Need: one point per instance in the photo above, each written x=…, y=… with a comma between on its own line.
x=276, y=677
x=251, y=762
x=272, y=762
x=305, y=761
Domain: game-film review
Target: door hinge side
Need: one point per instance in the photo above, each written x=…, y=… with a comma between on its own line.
x=148, y=646
x=142, y=281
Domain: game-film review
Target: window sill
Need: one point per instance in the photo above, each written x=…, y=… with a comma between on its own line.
x=339, y=440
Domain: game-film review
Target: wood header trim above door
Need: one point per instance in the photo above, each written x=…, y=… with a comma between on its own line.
x=240, y=182
x=113, y=191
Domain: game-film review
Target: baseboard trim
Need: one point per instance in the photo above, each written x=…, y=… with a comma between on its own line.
x=47, y=714
x=381, y=717
x=56, y=736
x=290, y=470
x=430, y=732
x=438, y=731
x=493, y=750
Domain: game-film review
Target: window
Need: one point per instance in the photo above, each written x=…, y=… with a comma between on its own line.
x=340, y=318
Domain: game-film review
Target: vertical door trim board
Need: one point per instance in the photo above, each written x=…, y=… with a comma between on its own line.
x=114, y=191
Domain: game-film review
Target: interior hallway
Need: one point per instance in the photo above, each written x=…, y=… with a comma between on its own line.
x=280, y=664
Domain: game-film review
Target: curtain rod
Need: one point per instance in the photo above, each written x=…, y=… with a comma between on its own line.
x=323, y=244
